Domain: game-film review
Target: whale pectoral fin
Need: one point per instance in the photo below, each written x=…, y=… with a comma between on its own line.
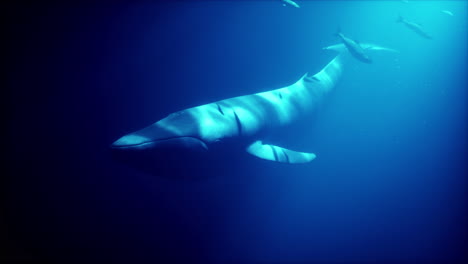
x=337, y=47
x=278, y=154
x=368, y=46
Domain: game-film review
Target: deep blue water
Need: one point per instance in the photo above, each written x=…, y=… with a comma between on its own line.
x=388, y=186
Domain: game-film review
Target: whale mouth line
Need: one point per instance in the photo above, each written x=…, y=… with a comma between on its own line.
x=156, y=141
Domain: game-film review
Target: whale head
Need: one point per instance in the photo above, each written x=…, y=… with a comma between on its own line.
x=158, y=140
x=154, y=148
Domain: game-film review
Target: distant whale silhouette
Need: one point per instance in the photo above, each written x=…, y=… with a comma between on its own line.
x=291, y=3
x=358, y=50
x=414, y=27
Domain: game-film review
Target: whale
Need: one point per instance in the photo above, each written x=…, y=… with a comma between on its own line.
x=415, y=27
x=235, y=125
x=290, y=3
x=447, y=12
x=358, y=50
x=244, y=118
x=212, y=133
x=354, y=48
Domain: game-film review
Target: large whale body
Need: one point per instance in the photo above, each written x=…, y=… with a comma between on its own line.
x=240, y=121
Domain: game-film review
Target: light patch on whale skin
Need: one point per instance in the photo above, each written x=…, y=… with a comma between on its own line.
x=211, y=124
x=250, y=124
x=131, y=140
x=283, y=107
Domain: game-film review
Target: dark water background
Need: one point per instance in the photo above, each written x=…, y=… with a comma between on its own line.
x=389, y=183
